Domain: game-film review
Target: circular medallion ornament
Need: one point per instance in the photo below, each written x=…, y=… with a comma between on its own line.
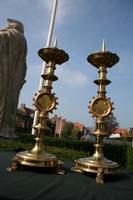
x=45, y=102
x=100, y=107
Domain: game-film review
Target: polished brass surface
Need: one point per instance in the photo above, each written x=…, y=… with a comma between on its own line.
x=105, y=59
x=100, y=107
x=92, y=164
x=45, y=102
x=58, y=56
x=42, y=159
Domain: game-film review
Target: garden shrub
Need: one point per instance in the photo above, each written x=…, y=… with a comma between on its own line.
x=130, y=158
x=120, y=153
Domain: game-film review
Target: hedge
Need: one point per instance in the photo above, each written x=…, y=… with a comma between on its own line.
x=129, y=163
x=122, y=154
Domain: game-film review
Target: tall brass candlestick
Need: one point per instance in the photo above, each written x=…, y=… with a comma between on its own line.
x=100, y=107
x=45, y=102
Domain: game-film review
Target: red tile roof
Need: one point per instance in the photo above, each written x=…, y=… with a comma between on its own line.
x=25, y=110
x=121, y=131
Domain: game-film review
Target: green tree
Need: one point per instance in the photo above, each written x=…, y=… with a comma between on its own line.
x=75, y=132
x=67, y=129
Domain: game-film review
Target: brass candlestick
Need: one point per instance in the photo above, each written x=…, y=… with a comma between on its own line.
x=100, y=107
x=45, y=102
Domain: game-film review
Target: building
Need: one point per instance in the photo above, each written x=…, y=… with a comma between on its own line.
x=59, y=124
x=24, y=118
x=121, y=131
x=79, y=125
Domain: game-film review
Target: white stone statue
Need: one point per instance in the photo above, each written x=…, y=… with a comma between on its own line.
x=13, y=51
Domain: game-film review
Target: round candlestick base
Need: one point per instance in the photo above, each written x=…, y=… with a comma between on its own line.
x=100, y=167
x=37, y=160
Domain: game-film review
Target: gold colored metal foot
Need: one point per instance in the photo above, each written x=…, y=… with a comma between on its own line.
x=76, y=168
x=14, y=165
x=100, y=176
x=60, y=170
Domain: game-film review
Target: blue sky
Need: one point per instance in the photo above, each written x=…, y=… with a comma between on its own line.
x=80, y=25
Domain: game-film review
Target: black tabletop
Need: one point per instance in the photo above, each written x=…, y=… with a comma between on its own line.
x=35, y=185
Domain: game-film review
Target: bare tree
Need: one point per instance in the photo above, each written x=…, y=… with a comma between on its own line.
x=111, y=123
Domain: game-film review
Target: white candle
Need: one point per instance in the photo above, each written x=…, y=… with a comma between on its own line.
x=48, y=43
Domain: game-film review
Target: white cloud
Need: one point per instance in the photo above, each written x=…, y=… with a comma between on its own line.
x=72, y=77
x=65, y=8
